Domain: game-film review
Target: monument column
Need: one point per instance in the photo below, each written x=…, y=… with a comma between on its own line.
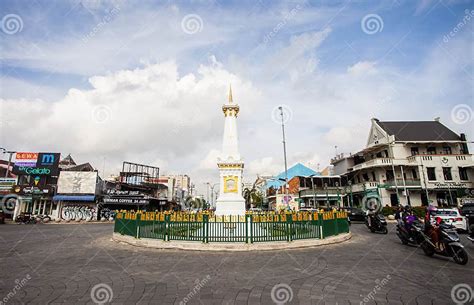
x=230, y=164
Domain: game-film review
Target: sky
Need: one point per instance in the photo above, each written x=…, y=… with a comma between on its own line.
x=144, y=81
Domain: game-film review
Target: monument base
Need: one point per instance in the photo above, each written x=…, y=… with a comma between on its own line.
x=230, y=206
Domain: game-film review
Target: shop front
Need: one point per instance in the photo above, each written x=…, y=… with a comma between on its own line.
x=76, y=207
x=34, y=200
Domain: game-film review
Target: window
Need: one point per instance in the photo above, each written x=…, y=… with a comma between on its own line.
x=447, y=150
x=373, y=177
x=414, y=151
x=365, y=176
x=389, y=175
x=414, y=174
x=431, y=173
x=447, y=173
x=463, y=173
x=431, y=151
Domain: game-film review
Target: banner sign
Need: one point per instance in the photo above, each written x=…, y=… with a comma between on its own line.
x=37, y=164
x=71, y=182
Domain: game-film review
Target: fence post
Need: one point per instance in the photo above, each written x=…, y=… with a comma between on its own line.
x=321, y=224
x=289, y=222
x=205, y=228
x=167, y=227
x=247, y=228
x=137, y=222
x=337, y=224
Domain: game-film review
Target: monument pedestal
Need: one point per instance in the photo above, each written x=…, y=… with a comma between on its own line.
x=230, y=205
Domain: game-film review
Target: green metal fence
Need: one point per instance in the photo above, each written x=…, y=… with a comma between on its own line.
x=251, y=228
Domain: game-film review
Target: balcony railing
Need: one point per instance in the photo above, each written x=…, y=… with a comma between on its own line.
x=457, y=160
x=400, y=183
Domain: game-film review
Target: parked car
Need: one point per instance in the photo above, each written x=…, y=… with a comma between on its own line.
x=467, y=210
x=355, y=214
x=452, y=217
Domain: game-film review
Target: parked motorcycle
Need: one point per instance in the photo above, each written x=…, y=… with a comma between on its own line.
x=450, y=245
x=25, y=218
x=412, y=236
x=378, y=224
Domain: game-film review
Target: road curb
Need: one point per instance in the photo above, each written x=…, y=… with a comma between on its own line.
x=233, y=247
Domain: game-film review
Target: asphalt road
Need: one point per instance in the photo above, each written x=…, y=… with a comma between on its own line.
x=79, y=264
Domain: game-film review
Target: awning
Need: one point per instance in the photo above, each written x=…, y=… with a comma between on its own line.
x=74, y=198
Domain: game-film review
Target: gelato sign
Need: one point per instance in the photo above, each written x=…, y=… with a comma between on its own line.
x=28, y=163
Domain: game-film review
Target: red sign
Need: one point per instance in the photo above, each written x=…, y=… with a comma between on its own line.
x=26, y=156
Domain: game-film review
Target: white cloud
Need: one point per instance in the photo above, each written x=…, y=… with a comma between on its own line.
x=362, y=68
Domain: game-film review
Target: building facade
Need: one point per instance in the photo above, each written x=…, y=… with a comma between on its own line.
x=414, y=163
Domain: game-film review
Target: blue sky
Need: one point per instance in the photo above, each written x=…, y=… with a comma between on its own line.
x=134, y=65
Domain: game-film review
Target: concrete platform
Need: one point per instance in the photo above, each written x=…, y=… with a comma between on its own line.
x=218, y=246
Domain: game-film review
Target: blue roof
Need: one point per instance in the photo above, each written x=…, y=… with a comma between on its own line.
x=296, y=170
x=74, y=198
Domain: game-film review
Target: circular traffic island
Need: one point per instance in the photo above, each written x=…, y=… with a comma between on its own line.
x=250, y=232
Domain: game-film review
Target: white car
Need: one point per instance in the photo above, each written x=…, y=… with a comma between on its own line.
x=453, y=217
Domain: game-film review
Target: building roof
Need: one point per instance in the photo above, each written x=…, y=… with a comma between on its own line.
x=419, y=131
x=296, y=170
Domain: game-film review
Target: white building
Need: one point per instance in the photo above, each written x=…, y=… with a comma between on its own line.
x=410, y=162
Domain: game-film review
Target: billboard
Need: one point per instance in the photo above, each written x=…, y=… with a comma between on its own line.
x=70, y=182
x=6, y=185
x=28, y=163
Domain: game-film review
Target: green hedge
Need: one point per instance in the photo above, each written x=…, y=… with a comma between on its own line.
x=418, y=211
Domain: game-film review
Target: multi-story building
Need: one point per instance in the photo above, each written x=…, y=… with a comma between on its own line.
x=417, y=162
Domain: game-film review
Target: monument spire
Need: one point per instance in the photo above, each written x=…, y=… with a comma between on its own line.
x=230, y=94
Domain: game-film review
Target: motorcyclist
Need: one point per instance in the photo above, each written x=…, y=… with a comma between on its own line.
x=432, y=225
x=370, y=213
x=398, y=215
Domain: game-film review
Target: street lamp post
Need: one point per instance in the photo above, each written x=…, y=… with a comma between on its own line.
x=338, y=195
x=314, y=190
x=284, y=156
x=5, y=151
x=327, y=195
x=394, y=174
x=350, y=192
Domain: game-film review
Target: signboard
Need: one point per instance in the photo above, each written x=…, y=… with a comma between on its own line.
x=70, y=182
x=37, y=164
x=127, y=200
x=26, y=159
x=122, y=193
x=32, y=190
x=449, y=185
x=6, y=185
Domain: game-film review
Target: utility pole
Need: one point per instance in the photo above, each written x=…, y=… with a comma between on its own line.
x=5, y=151
x=394, y=174
x=284, y=156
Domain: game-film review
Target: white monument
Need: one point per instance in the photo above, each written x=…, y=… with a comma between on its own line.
x=230, y=201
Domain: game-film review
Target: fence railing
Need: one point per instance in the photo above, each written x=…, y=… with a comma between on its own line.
x=250, y=228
